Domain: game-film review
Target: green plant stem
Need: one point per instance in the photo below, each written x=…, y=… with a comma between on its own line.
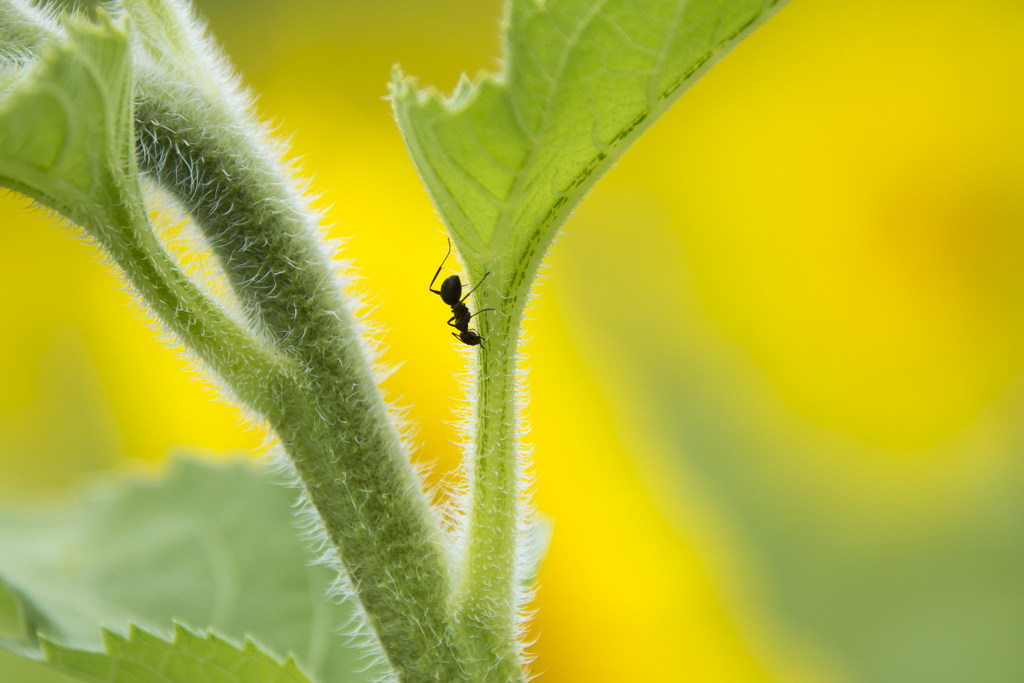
x=487, y=596
x=23, y=28
x=252, y=371
x=298, y=359
x=110, y=207
x=333, y=421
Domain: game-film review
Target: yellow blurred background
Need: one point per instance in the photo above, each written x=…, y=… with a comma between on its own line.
x=823, y=242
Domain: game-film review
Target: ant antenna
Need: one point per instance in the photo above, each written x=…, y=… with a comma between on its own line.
x=431, y=285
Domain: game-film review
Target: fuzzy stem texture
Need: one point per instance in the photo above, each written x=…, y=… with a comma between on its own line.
x=198, y=139
x=297, y=357
x=333, y=422
x=258, y=375
x=487, y=597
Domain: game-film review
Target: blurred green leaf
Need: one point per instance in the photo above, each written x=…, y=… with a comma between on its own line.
x=18, y=669
x=19, y=621
x=145, y=658
x=66, y=125
x=210, y=546
x=887, y=577
x=12, y=616
x=507, y=158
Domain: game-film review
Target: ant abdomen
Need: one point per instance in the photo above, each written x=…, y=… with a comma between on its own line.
x=469, y=337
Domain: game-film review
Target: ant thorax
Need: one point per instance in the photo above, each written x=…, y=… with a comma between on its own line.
x=460, y=312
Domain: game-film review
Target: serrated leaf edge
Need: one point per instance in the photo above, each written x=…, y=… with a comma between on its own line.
x=181, y=635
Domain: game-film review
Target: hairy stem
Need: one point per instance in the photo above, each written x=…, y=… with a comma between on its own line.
x=256, y=373
x=298, y=358
x=486, y=600
x=333, y=422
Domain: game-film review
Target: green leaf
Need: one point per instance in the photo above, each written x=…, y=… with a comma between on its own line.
x=21, y=669
x=507, y=158
x=190, y=658
x=210, y=546
x=20, y=620
x=20, y=656
x=890, y=572
x=66, y=126
x=12, y=614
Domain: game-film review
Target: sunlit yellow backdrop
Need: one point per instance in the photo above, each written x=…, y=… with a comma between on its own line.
x=846, y=187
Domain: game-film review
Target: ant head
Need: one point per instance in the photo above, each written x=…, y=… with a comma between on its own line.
x=470, y=338
x=451, y=290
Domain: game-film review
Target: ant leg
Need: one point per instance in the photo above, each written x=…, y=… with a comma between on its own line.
x=475, y=288
x=483, y=310
x=431, y=285
x=451, y=324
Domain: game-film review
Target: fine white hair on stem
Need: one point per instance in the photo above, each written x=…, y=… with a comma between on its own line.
x=200, y=139
x=357, y=634
x=252, y=282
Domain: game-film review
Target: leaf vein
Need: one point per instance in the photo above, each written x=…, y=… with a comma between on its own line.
x=666, y=45
x=522, y=180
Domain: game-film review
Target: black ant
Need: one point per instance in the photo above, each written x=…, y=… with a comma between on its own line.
x=451, y=290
